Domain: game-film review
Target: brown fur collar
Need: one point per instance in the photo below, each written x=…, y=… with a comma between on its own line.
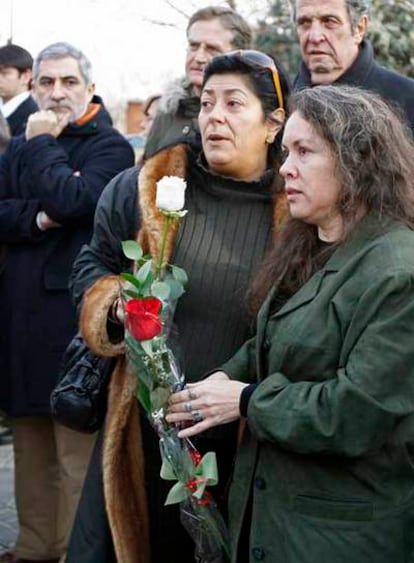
x=124, y=471
x=123, y=460
x=97, y=301
x=171, y=162
x=99, y=298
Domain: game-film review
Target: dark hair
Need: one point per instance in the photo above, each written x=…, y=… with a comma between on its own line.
x=59, y=51
x=16, y=57
x=260, y=80
x=355, y=8
x=149, y=101
x=374, y=150
x=230, y=20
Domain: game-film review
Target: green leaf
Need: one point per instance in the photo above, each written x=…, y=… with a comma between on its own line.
x=167, y=290
x=143, y=272
x=161, y=290
x=143, y=396
x=159, y=398
x=147, y=347
x=205, y=473
x=176, y=494
x=168, y=471
x=132, y=280
x=176, y=289
x=146, y=286
x=132, y=249
x=179, y=274
x=137, y=362
x=132, y=293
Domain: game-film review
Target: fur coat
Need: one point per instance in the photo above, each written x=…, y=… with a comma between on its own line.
x=123, y=461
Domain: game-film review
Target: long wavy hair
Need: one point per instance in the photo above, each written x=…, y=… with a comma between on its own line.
x=374, y=154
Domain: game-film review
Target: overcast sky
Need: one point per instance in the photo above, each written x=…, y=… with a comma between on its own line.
x=131, y=55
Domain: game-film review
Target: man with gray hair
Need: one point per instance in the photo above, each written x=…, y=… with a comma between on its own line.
x=335, y=51
x=211, y=31
x=50, y=181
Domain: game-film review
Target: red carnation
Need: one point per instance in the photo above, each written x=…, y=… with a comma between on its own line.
x=142, y=317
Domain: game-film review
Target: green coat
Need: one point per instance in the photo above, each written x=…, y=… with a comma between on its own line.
x=328, y=451
x=178, y=124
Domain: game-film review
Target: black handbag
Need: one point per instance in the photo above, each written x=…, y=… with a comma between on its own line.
x=79, y=400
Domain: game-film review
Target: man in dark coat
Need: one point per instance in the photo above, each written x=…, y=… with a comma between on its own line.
x=335, y=51
x=50, y=181
x=211, y=31
x=5, y=431
x=15, y=80
x=17, y=104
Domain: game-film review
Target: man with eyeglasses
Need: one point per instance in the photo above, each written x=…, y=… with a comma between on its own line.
x=335, y=51
x=211, y=31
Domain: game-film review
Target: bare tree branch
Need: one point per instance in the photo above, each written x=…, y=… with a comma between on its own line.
x=176, y=9
x=159, y=22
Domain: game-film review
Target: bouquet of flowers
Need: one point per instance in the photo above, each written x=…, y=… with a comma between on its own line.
x=149, y=297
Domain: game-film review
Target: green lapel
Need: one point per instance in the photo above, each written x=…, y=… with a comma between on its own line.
x=369, y=228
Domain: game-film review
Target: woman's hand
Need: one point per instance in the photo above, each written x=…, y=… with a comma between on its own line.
x=205, y=404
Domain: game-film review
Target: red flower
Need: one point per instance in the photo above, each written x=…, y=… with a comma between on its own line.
x=195, y=456
x=142, y=316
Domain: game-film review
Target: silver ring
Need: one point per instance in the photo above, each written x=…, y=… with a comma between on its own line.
x=197, y=416
x=187, y=406
x=191, y=395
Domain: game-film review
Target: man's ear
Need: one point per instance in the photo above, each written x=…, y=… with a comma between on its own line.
x=361, y=29
x=26, y=76
x=275, y=124
x=91, y=91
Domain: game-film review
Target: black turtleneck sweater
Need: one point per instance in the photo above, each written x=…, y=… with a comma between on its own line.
x=220, y=244
x=221, y=240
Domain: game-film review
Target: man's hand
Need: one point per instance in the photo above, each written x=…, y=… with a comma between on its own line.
x=46, y=122
x=44, y=222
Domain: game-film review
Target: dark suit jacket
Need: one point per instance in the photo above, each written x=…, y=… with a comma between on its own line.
x=18, y=119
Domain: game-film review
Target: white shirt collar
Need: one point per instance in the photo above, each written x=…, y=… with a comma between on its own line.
x=9, y=107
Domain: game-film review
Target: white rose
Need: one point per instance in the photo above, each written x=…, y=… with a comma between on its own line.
x=170, y=193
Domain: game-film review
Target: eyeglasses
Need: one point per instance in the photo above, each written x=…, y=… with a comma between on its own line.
x=261, y=60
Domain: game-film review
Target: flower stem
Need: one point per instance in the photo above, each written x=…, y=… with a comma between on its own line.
x=160, y=261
